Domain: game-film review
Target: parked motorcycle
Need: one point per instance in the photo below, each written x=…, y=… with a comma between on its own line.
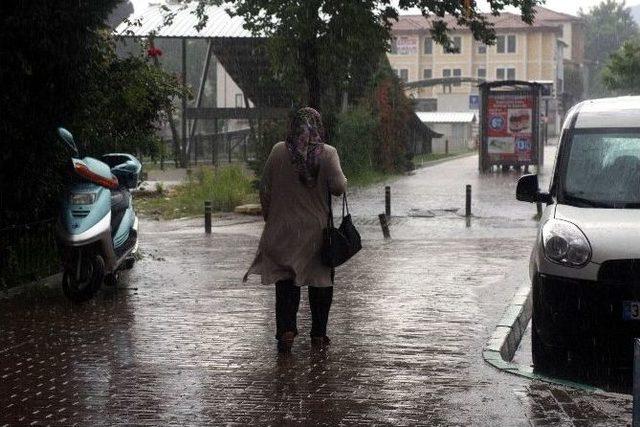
x=98, y=228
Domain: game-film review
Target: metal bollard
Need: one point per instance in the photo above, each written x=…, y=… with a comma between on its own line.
x=387, y=201
x=207, y=217
x=384, y=225
x=636, y=383
x=467, y=206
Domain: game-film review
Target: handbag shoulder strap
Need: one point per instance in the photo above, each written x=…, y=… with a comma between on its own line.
x=345, y=204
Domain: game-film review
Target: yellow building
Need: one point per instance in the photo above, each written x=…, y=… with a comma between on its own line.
x=522, y=52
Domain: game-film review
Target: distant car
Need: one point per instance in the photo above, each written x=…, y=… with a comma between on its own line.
x=585, y=264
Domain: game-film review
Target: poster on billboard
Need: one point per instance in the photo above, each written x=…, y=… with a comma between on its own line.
x=510, y=127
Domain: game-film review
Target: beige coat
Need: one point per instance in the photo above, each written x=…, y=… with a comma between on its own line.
x=295, y=216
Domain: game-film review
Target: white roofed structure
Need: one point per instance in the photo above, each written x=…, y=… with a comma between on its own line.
x=447, y=117
x=183, y=23
x=249, y=90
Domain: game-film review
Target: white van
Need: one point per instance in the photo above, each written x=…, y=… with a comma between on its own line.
x=585, y=264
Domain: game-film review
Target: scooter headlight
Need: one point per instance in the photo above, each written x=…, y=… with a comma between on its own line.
x=564, y=243
x=82, y=198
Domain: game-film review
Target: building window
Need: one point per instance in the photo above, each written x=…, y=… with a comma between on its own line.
x=404, y=74
x=427, y=74
x=394, y=45
x=511, y=44
x=457, y=72
x=482, y=73
x=428, y=46
x=506, y=44
x=446, y=87
x=456, y=43
x=506, y=74
x=482, y=48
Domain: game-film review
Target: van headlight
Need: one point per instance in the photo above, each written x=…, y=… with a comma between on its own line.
x=82, y=198
x=564, y=243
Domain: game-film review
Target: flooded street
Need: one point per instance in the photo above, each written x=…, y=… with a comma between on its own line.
x=186, y=342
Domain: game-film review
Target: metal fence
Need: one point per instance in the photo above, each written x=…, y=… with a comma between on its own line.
x=28, y=252
x=231, y=147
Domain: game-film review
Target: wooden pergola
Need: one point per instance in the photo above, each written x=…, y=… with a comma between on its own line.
x=242, y=55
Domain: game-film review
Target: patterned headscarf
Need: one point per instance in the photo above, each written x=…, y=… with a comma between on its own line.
x=305, y=142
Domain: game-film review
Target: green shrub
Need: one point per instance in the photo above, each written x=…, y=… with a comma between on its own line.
x=263, y=137
x=226, y=187
x=355, y=139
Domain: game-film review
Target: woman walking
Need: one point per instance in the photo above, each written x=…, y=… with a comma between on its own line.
x=297, y=179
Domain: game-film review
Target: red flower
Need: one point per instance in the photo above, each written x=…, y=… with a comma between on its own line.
x=154, y=52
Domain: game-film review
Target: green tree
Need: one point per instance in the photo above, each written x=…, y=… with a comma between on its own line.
x=608, y=26
x=56, y=69
x=325, y=47
x=123, y=103
x=327, y=50
x=573, y=86
x=621, y=73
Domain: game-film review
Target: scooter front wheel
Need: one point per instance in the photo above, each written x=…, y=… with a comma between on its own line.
x=82, y=285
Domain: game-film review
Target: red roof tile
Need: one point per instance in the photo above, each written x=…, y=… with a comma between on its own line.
x=544, y=14
x=545, y=18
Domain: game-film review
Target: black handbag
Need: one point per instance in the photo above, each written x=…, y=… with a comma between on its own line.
x=340, y=244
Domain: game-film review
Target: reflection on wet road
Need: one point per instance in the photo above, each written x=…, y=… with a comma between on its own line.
x=185, y=342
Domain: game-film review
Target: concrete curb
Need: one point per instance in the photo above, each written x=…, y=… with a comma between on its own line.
x=506, y=338
x=51, y=282
x=504, y=342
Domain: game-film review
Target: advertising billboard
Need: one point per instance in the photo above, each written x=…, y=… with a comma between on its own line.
x=509, y=127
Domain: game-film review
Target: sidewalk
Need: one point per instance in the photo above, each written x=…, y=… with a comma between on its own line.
x=187, y=343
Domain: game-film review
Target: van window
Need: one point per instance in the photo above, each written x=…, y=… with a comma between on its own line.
x=603, y=170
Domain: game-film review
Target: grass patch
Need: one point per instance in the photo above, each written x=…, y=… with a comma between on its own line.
x=367, y=177
x=226, y=187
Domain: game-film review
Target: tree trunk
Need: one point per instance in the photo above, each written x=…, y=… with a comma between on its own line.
x=308, y=50
x=309, y=56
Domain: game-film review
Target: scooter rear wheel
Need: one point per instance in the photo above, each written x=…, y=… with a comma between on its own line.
x=91, y=278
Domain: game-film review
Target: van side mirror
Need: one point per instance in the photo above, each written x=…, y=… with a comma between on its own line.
x=527, y=190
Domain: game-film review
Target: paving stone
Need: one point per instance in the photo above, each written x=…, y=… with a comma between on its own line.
x=184, y=342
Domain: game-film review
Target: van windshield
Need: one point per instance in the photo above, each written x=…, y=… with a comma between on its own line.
x=603, y=170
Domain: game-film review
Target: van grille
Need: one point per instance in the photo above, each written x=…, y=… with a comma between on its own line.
x=620, y=271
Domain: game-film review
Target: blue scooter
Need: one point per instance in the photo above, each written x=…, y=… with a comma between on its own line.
x=98, y=228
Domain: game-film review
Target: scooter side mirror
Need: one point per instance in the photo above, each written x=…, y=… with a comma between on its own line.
x=67, y=138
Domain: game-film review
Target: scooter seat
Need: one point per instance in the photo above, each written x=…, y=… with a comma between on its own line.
x=119, y=204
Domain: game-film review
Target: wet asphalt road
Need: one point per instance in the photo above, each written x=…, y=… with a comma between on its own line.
x=185, y=342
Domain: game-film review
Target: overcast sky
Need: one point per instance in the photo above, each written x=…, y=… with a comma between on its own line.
x=566, y=6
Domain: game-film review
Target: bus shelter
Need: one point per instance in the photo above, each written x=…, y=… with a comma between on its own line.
x=510, y=124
